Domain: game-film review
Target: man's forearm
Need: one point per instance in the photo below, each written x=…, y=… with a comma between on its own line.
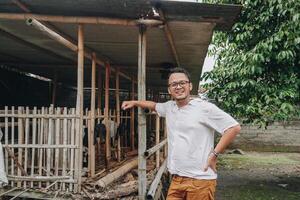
x=227, y=138
x=145, y=104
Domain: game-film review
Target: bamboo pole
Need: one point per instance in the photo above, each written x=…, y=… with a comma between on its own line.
x=157, y=139
x=69, y=44
x=65, y=129
x=105, y=181
x=41, y=135
x=165, y=137
x=79, y=107
x=132, y=118
x=49, y=142
x=156, y=181
x=12, y=142
x=155, y=148
x=6, y=139
x=26, y=143
x=93, y=107
x=170, y=38
x=20, y=141
x=106, y=114
x=99, y=83
x=33, y=142
x=142, y=179
x=118, y=112
x=72, y=150
x=57, y=134
x=80, y=19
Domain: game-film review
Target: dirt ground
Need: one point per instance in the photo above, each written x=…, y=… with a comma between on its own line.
x=259, y=176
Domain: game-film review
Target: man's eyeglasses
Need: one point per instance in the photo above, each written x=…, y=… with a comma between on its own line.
x=176, y=84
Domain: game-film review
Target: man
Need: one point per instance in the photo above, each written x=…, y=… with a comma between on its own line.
x=190, y=125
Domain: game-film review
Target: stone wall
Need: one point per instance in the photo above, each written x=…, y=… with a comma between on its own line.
x=279, y=136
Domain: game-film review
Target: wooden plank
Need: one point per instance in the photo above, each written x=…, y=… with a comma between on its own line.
x=142, y=179
x=79, y=108
x=92, y=122
x=33, y=142
x=157, y=120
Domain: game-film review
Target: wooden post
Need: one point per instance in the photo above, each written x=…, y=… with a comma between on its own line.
x=118, y=112
x=132, y=117
x=79, y=108
x=142, y=179
x=106, y=113
x=157, y=139
x=93, y=107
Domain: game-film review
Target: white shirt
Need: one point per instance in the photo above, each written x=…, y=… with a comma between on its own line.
x=191, y=135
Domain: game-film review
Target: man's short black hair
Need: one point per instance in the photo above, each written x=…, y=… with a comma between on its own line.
x=180, y=70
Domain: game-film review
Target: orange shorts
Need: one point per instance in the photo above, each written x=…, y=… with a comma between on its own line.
x=191, y=189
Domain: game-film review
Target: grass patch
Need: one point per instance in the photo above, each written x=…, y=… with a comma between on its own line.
x=258, y=192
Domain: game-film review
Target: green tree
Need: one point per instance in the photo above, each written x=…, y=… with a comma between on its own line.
x=257, y=74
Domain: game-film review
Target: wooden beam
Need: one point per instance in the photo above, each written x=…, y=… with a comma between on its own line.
x=106, y=115
x=142, y=178
x=66, y=42
x=93, y=107
x=80, y=19
x=169, y=36
x=79, y=108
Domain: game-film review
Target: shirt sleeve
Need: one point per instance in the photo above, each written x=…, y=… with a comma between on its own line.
x=161, y=109
x=219, y=120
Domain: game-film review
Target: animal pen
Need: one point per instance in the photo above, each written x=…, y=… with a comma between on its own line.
x=119, y=48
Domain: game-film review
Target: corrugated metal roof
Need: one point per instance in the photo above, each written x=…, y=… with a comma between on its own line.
x=118, y=43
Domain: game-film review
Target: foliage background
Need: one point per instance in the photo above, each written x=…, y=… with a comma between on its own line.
x=257, y=75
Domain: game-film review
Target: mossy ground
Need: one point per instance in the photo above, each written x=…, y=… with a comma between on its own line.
x=259, y=176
